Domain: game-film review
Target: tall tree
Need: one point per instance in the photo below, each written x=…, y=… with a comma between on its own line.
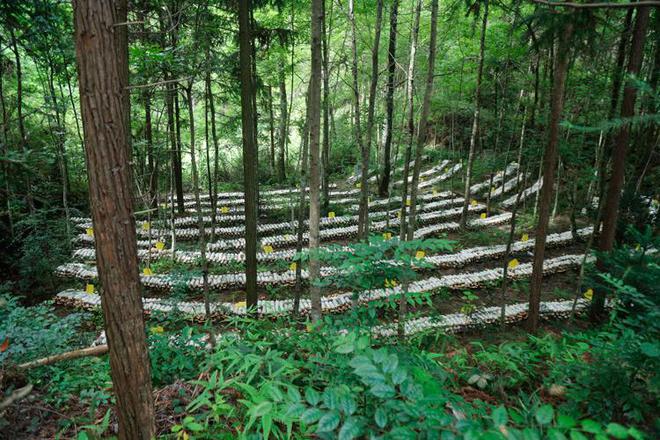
x=475, y=119
x=325, y=151
x=102, y=55
x=384, y=184
x=314, y=153
x=611, y=209
x=549, y=167
x=250, y=157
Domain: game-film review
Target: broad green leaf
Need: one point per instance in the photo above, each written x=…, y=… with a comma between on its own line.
x=591, y=426
x=381, y=417
x=500, y=416
x=617, y=431
x=312, y=396
x=311, y=415
x=544, y=414
x=328, y=422
x=350, y=429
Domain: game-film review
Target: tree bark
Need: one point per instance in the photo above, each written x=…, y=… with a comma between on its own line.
x=384, y=184
x=325, y=152
x=611, y=209
x=314, y=141
x=423, y=121
x=282, y=135
x=249, y=150
x=102, y=55
x=475, y=120
x=549, y=165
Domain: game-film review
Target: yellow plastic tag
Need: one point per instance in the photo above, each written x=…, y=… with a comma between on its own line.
x=331, y=214
x=358, y=185
x=638, y=247
x=387, y=235
x=420, y=254
x=408, y=202
x=435, y=192
x=90, y=232
x=513, y=263
x=89, y=289
x=146, y=226
x=160, y=245
x=293, y=266
x=473, y=202
x=157, y=330
x=224, y=210
x=525, y=237
x=268, y=249
x=398, y=214
x=240, y=304
x=483, y=215
x=589, y=294
x=147, y=271
x=422, y=178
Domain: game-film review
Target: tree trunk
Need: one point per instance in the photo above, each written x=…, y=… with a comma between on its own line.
x=410, y=95
x=314, y=141
x=249, y=150
x=475, y=120
x=325, y=152
x=549, y=165
x=611, y=209
x=271, y=130
x=102, y=55
x=363, y=212
x=29, y=200
x=214, y=137
x=384, y=184
x=148, y=134
x=282, y=135
x=423, y=120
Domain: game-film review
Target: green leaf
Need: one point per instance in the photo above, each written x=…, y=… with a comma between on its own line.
x=617, y=431
x=531, y=434
x=591, y=426
x=383, y=390
x=544, y=414
x=194, y=426
x=577, y=435
x=390, y=363
x=311, y=415
x=312, y=396
x=350, y=429
x=565, y=422
x=381, y=417
x=635, y=433
x=556, y=434
x=650, y=349
x=399, y=376
x=328, y=422
x=500, y=416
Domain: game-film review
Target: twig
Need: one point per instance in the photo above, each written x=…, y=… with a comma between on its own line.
x=16, y=396
x=84, y=352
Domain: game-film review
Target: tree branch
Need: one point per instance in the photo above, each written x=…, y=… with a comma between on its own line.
x=75, y=354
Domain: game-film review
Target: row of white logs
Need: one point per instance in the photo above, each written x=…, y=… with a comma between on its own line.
x=353, y=179
x=427, y=202
x=225, y=281
x=457, y=322
x=532, y=189
x=340, y=302
x=497, y=178
x=331, y=224
x=240, y=194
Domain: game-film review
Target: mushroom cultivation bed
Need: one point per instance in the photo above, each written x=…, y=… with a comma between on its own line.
x=458, y=322
x=533, y=189
x=497, y=178
x=335, y=303
x=240, y=194
x=232, y=280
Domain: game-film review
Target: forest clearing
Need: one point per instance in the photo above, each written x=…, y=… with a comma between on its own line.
x=334, y=219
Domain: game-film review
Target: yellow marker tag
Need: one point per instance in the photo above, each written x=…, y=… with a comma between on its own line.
x=358, y=185
x=446, y=170
x=288, y=237
x=293, y=266
x=240, y=304
x=147, y=271
x=268, y=249
x=309, y=327
x=146, y=226
x=89, y=289
x=492, y=189
x=224, y=210
x=387, y=235
x=638, y=247
x=435, y=192
x=398, y=214
x=473, y=202
x=90, y=232
x=157, y=330
x=420, y=254
x=589, y=294
x=408, y=202
x=331, y=214
x=422, y=178
x=483, y=215
x=513, y=263
x=160, y=245
x=525, y=237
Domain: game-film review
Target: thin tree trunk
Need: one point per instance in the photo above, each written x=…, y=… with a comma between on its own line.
x=148, y=134
x=216, y=156
x=384, y=184
x=249, y=151
x=5, y=162
x=475, y=120
x=282, y=135
x=410, y=96
x=325, y=152
x=549, y=165
x=271, y=130
x=102, y=55
x=314, y=141
x=611, y=209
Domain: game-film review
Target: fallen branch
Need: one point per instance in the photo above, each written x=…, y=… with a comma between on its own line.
x=16, y=396
x=75, y=354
